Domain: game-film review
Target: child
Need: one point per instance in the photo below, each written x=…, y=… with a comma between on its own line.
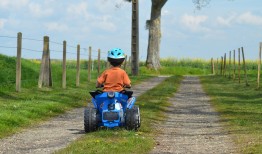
x=114, y=78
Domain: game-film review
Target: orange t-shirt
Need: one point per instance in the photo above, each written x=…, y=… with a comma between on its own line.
x=114, y=79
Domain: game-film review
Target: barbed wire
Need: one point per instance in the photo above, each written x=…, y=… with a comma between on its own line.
x=56, y=50
x=27, y=49
x=56, y=43
x=31, y=50
x=71, y=53
x=7, y=47
x=40, y=40
x=7, y=36
x=32, y=39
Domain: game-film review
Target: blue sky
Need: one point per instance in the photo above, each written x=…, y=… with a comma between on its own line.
x=222, y=26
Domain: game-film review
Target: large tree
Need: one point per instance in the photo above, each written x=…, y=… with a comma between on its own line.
x=154, y=37
x=154, y=27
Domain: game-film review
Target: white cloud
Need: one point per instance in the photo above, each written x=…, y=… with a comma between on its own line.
x=105, y=23
x=97, y=21
x=165, y=13
x=53, y=26
x=7, y=4
x=39, y=11
x=78, y=10
x=244, y=18
x=7, y=23
x=194, y=22
x=226, y=21
x=2, y=23
x=249, y=18
x=108, y=6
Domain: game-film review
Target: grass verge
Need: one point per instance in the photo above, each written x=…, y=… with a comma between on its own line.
x=152, y=107
x=33, y=105
x=240, y=107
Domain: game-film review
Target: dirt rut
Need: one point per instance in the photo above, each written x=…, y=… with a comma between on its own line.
x=192, y=125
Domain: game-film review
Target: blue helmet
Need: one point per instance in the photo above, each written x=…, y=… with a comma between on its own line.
x=116, y=53
x=116, y=56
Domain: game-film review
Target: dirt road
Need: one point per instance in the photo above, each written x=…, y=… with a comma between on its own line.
x=192, y=125
x=58, y=132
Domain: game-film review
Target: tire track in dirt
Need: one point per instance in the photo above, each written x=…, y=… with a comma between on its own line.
x=58, y=132
x=192, y=125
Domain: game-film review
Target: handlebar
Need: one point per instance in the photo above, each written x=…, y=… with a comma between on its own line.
x=101, y=86
x=128, y=87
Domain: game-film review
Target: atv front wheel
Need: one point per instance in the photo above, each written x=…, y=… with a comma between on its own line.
x=90, y=120
x=133, y=118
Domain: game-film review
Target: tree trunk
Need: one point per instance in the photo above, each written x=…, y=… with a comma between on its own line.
x=154, y=26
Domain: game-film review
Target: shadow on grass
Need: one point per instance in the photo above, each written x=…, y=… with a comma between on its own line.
x=7, y=96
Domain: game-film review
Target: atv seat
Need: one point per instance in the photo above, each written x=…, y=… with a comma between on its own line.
x=97, y=92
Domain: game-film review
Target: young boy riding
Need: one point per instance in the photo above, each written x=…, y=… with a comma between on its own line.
x=114, y=78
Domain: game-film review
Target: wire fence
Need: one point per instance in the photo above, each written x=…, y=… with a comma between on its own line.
x=71, y=59
x=60, y=45
x=233, y=65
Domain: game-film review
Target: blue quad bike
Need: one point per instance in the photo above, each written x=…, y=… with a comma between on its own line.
x=112, y=109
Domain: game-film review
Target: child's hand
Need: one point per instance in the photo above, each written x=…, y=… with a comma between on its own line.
x=127, y=86
x=100, y=86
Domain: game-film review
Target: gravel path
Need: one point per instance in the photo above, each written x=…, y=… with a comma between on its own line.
x=192, y=125
x=58, y=132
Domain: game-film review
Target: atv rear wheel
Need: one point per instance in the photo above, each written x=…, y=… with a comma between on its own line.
x=133, y=118
x=90, y=119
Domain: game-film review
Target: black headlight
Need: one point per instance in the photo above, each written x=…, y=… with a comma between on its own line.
x=111, y=106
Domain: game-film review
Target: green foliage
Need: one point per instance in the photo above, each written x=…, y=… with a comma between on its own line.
x=23, y=109
x=240, y=107
x=172, y=66
x=7, y=70
x=8, y=73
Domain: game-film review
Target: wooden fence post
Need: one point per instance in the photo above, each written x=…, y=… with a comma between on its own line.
x=217, y=67
x=244, y=63
x=213, y=65
x=229, y=66
x=98, y=62
x=78, y=66
x=221, y=68
x=239, y=65
x=125, y=62
x=234, y=63
x=107, y=64
x=259, y=65
x=225, y=64
x=89, y=64
x=211, y=62
x=64, y=66
x=45, y=77
x=129, y=62
x=18, y=62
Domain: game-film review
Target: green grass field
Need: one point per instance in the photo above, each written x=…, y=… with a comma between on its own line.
x=239, y=105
